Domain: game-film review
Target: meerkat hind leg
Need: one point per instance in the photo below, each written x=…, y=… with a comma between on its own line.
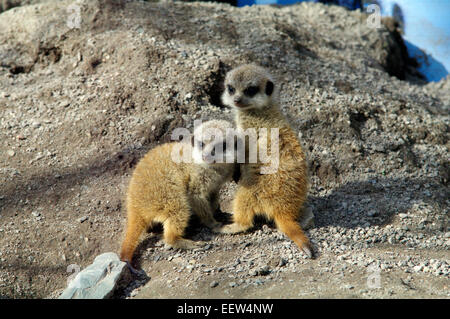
x=243, y=215
x=173, y=235
x=234, y=228
x=205, y=212
x=242, y=221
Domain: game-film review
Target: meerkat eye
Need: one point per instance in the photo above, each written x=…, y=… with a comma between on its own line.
x=230, y=89
x=251, y=91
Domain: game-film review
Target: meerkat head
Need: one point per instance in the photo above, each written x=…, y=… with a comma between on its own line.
x=210, y=145
x=249, y=87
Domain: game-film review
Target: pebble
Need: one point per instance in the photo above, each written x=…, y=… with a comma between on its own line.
x=214, y=284
x=417, y=268
x=11, y=153
x=82, y=219
x=282, y=262
x=36, y=124
x=348, y=286
x=35, y=213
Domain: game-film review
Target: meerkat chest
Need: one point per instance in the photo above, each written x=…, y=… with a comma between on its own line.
x=261, y=138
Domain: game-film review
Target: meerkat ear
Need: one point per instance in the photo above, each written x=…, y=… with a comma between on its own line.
x=269, y=87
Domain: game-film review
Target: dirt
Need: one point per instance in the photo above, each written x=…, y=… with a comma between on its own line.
x=80, y=106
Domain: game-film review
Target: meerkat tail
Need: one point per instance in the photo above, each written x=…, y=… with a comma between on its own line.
x=135, y=228
x=293, y=230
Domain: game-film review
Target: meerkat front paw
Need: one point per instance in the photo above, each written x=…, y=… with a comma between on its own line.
x=233, y=229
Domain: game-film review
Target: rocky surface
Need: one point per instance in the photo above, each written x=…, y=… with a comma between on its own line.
x=80, y=106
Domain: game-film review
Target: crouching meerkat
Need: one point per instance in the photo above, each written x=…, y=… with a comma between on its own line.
x=165, y=191
x=250, y=90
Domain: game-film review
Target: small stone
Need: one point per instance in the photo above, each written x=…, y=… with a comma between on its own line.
x=36, y=124
x=232, y=284
x=418, y=268
x=282, y=262
x=372, y=213
x=83, y=219
x=214, y=284
x=11, y=153
x=259, y=282
x=348, y=287
x=35, y=213
x=64, y=103
x=263, y=271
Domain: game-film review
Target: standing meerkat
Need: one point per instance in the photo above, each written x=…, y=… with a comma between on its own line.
x=280, y=196
x=165, y=191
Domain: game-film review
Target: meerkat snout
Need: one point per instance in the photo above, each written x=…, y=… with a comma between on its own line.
x=247, y=87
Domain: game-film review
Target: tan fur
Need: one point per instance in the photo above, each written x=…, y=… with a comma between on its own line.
x=167, y=192
x=279, y=196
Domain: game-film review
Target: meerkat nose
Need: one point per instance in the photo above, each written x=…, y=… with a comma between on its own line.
x=238, y=99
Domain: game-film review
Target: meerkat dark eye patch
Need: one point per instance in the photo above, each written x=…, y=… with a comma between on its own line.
x=269, y=87
x=251, y=90
x=230, y=89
